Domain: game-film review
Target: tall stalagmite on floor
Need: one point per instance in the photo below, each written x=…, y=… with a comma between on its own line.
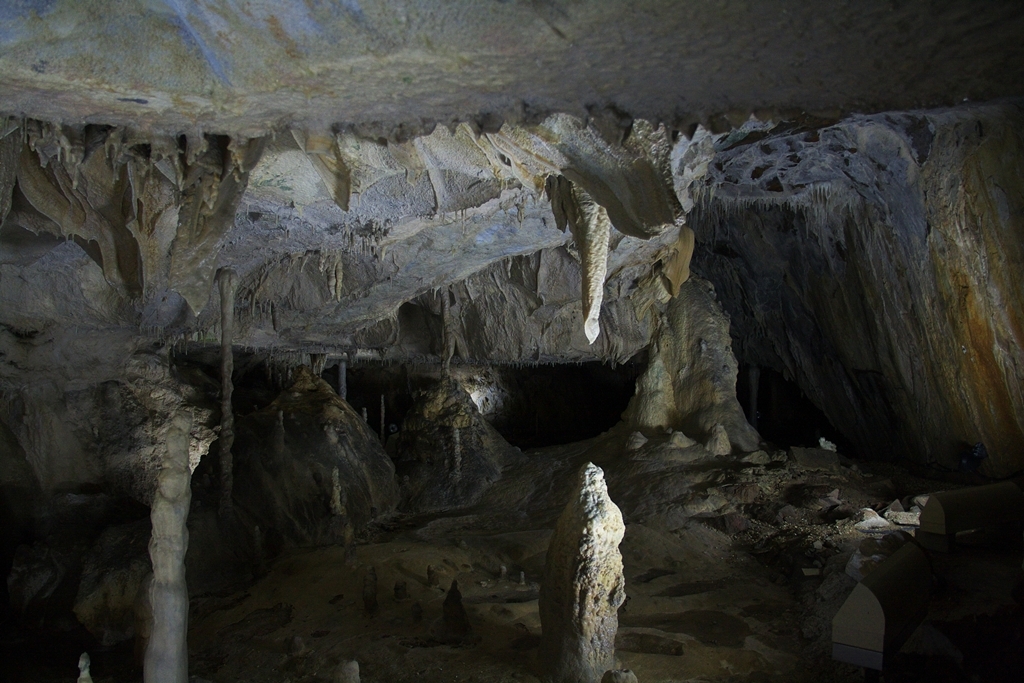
x=583, y=585
x=167, y=651
x=228, y=282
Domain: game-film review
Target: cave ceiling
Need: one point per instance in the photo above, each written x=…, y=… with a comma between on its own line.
x=513, y=182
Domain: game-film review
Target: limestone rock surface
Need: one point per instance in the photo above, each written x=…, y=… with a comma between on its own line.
x=448, y=454
x=583, y=585
x=308, y=467
x=690, y=381
x=877, y=263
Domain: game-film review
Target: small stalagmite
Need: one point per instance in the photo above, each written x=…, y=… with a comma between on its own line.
x=583, y=585
x=347, y=672
x=453, y=626
x=83, y=668
x=370, y=591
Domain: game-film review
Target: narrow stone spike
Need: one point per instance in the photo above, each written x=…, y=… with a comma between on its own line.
x=228, y=282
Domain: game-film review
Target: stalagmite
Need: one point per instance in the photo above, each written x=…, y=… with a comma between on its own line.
x=167, y=651
x=83, y=668
x=453, y=626
x=383, y=424
x=583, y=584
x=347, y=672
x=718, y=441
x=228, y=282
x=370, y=591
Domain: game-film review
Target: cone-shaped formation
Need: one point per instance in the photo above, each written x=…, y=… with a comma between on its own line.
x=591, y=229
x=453, y=626
x=583, y=584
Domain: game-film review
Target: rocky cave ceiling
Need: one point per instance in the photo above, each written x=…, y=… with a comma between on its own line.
x=522, y=182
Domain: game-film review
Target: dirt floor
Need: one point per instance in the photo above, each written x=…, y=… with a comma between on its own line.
x=734, y=568
x=716, y=556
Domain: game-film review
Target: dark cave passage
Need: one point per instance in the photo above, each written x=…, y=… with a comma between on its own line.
x=530, y=406
x=785, y=416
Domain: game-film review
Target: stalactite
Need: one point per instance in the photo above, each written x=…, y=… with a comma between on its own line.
x=591, y=230
x=228, y=282
x=166, y=658
x=448, y=334
x=383, y=424
x=343, y=379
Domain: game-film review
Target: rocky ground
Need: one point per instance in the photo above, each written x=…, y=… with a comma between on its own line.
x=734, y=568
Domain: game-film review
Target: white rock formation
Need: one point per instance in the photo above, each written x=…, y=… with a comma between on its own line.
x=583, y=584
x=347, y=672
x=718, y=441
x=83, y=668
x=166, y=658
x=690, y=380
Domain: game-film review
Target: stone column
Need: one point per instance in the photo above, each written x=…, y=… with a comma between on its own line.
x=228, y=282
x=343, y=378
x=753, y=380
x=583, y=585
x=166, y=659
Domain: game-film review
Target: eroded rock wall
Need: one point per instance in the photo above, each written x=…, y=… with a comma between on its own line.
x=878, y=263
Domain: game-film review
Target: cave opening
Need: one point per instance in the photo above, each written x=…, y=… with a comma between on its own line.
x=531, y=406
x=785, y=415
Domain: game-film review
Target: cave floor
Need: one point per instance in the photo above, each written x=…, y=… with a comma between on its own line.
x=715, y=554
x=706, y=602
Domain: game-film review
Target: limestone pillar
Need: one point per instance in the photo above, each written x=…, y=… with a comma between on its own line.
x=583, y=585
x=166, y=658
x=228, y=282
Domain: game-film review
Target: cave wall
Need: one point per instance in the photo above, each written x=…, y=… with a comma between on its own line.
x=878, y=263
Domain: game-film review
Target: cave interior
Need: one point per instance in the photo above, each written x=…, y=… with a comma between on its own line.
x=511, y=341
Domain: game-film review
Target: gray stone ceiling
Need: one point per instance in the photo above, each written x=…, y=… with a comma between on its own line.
x=392, y=66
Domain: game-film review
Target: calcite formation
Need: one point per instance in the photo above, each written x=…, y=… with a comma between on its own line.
x=876, y=262
x=583, y=585
x=228, y=282
x=166, y=659
x=690, y=380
